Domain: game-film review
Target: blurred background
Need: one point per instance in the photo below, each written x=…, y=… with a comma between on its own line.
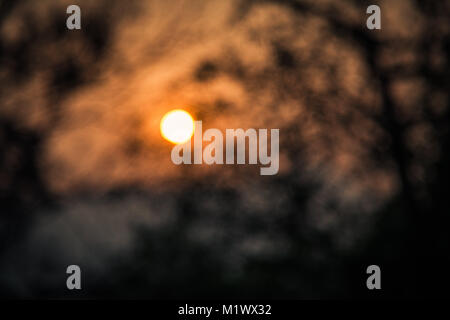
x=86, y=179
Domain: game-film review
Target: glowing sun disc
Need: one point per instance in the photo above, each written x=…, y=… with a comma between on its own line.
x=177, y=126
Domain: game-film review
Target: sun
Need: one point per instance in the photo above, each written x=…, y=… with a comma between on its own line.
x=177, y=126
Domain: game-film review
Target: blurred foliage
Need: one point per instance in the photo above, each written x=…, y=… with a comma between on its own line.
x=364, y=121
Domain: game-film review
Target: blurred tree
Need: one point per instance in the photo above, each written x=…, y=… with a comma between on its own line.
x=364, y=121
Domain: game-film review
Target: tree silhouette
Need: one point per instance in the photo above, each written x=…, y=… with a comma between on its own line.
x=364, y=136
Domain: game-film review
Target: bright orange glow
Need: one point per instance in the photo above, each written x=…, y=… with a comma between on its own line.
x=177, y=126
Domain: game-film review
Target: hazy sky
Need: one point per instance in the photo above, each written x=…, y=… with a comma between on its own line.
x=231, y=65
